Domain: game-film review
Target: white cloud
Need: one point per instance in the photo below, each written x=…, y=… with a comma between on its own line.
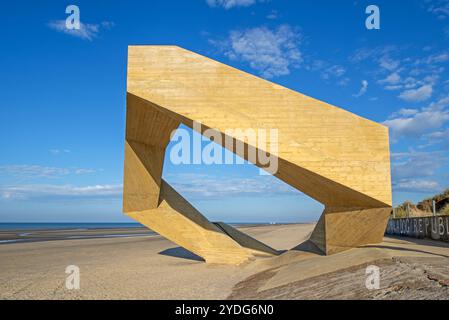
x=107, y=24
x=273, y=15
x=402, y=84
x=388, y=63
x=416, y=122
x=86, y=31
x=363, y=89
x=194, y=186
x=377, y=54
x=417, y=95
x=404, y=113
x=36, y=171
x=439, y=134
x=59, y=191
x=209, y=186
x=411, y=84
x=83, y=171
x=416, y=171
x=439, y=8
x=328, y=71
x=271, y=52
x=440, y=104
x=438, y=58
x=418, y=186
x=393, y=78
x=393, y=88
x=381, y=56
x=336, y=71
x=407, y=165
x=343, y=82
x=416, y=77
x=437, y=137
x=228, y=4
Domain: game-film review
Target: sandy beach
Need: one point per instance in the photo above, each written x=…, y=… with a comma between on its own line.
x=146, y=266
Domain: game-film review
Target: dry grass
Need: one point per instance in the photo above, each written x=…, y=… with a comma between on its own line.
x=423, y=208
x=427, y=204
x=444, y=211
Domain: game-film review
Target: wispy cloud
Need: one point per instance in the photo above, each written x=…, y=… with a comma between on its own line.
x=81, y=171
x=328, y=71
x=416, y=171
x=36, y=171
x=335, y=71
x=417, y=186
x=388, y=63
x=413, y=164
x=86, y=31
x=416, y=77
x=436, y=58
x=53, y=192
x=272, y=52
x=209, y=186
x=363, y=89
x=440, y=8
x=193, y=186
x=59, y=151
x=380, y=55
x=273, y=15
x=437, y=137
x=229, y=4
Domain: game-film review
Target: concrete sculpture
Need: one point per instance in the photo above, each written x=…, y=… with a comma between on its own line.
x=332, y=155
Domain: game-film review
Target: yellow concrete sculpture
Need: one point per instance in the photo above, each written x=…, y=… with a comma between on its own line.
x=332, y=155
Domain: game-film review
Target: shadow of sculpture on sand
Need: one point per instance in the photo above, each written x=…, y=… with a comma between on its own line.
x=419, y=241
x=179, y=252
x=308, y=246
x=396, y=248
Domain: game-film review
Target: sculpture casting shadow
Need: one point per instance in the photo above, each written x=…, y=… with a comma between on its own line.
x=180, y=252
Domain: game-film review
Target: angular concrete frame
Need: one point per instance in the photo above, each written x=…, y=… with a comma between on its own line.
x=334, y=156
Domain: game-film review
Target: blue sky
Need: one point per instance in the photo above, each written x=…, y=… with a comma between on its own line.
x=62, y=109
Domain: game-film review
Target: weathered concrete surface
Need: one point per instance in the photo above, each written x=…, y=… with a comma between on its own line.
x=337, y=158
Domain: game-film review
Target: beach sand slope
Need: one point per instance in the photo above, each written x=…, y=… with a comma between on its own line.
x=151, y=267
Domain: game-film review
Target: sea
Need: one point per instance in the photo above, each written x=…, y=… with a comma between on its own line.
x=89, y=225
x=32, y=232
x=66, y=226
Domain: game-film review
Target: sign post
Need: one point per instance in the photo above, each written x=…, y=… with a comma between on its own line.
x=434, y=211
